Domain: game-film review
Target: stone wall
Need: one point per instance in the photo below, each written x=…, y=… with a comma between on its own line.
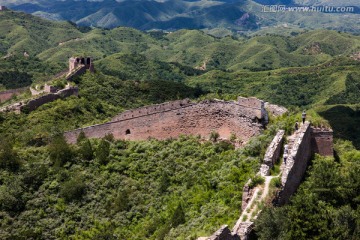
x=274, y=149
x=78, y=66
x=244, y=230
x=8, y=94
x=297, y=162
x=303, y=144
x=322, y=141
x=37, y=102
x=171, y=119
x=76, y=72
x=33, y=104
x=246, y=196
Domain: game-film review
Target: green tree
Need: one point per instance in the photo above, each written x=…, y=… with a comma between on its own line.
x=9, y=158
x=103, y=152
x=86, y=150
x=81, y=137
x=60, y=151
x=178, y=216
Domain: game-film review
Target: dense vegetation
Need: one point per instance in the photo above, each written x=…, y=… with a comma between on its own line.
x=123, y=190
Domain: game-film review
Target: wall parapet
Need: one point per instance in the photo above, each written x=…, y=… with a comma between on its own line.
x=274, y=149
x=299, y=155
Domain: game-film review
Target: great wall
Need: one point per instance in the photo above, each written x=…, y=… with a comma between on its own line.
x=301, y=147
x=244, y=118
x=77, y=67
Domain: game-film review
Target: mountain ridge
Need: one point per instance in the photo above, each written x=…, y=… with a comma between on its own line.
x=247, y=15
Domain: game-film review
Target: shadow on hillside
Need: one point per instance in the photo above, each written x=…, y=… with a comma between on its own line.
x=345, y=122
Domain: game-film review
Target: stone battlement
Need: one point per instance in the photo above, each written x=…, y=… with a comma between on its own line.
x=152, y=109
x=171, y=119
x=78, y=66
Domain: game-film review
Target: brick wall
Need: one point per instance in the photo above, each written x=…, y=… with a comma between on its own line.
x=171, y=119
x=322, y=141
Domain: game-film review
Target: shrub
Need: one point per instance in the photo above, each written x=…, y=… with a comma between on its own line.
x=214, y=136
x=178, y=216
x=74, y=189
x=257, y=180
x=275, y=182
x=223, y=146
x=81, y=137
x=233, y=137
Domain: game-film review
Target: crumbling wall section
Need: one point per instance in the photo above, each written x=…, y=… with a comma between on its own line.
x=33, y=104
x=37, y=102
x=8, y=94
x=257, y=105
x=274, y=149
x=297, y=162
x=275, y=110
x=171, y=119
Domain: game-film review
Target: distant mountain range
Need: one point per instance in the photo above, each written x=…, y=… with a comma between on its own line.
x=240, y=15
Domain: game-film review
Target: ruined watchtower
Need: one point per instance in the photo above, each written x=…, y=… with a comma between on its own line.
x=78, y=66
x=76, y=62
